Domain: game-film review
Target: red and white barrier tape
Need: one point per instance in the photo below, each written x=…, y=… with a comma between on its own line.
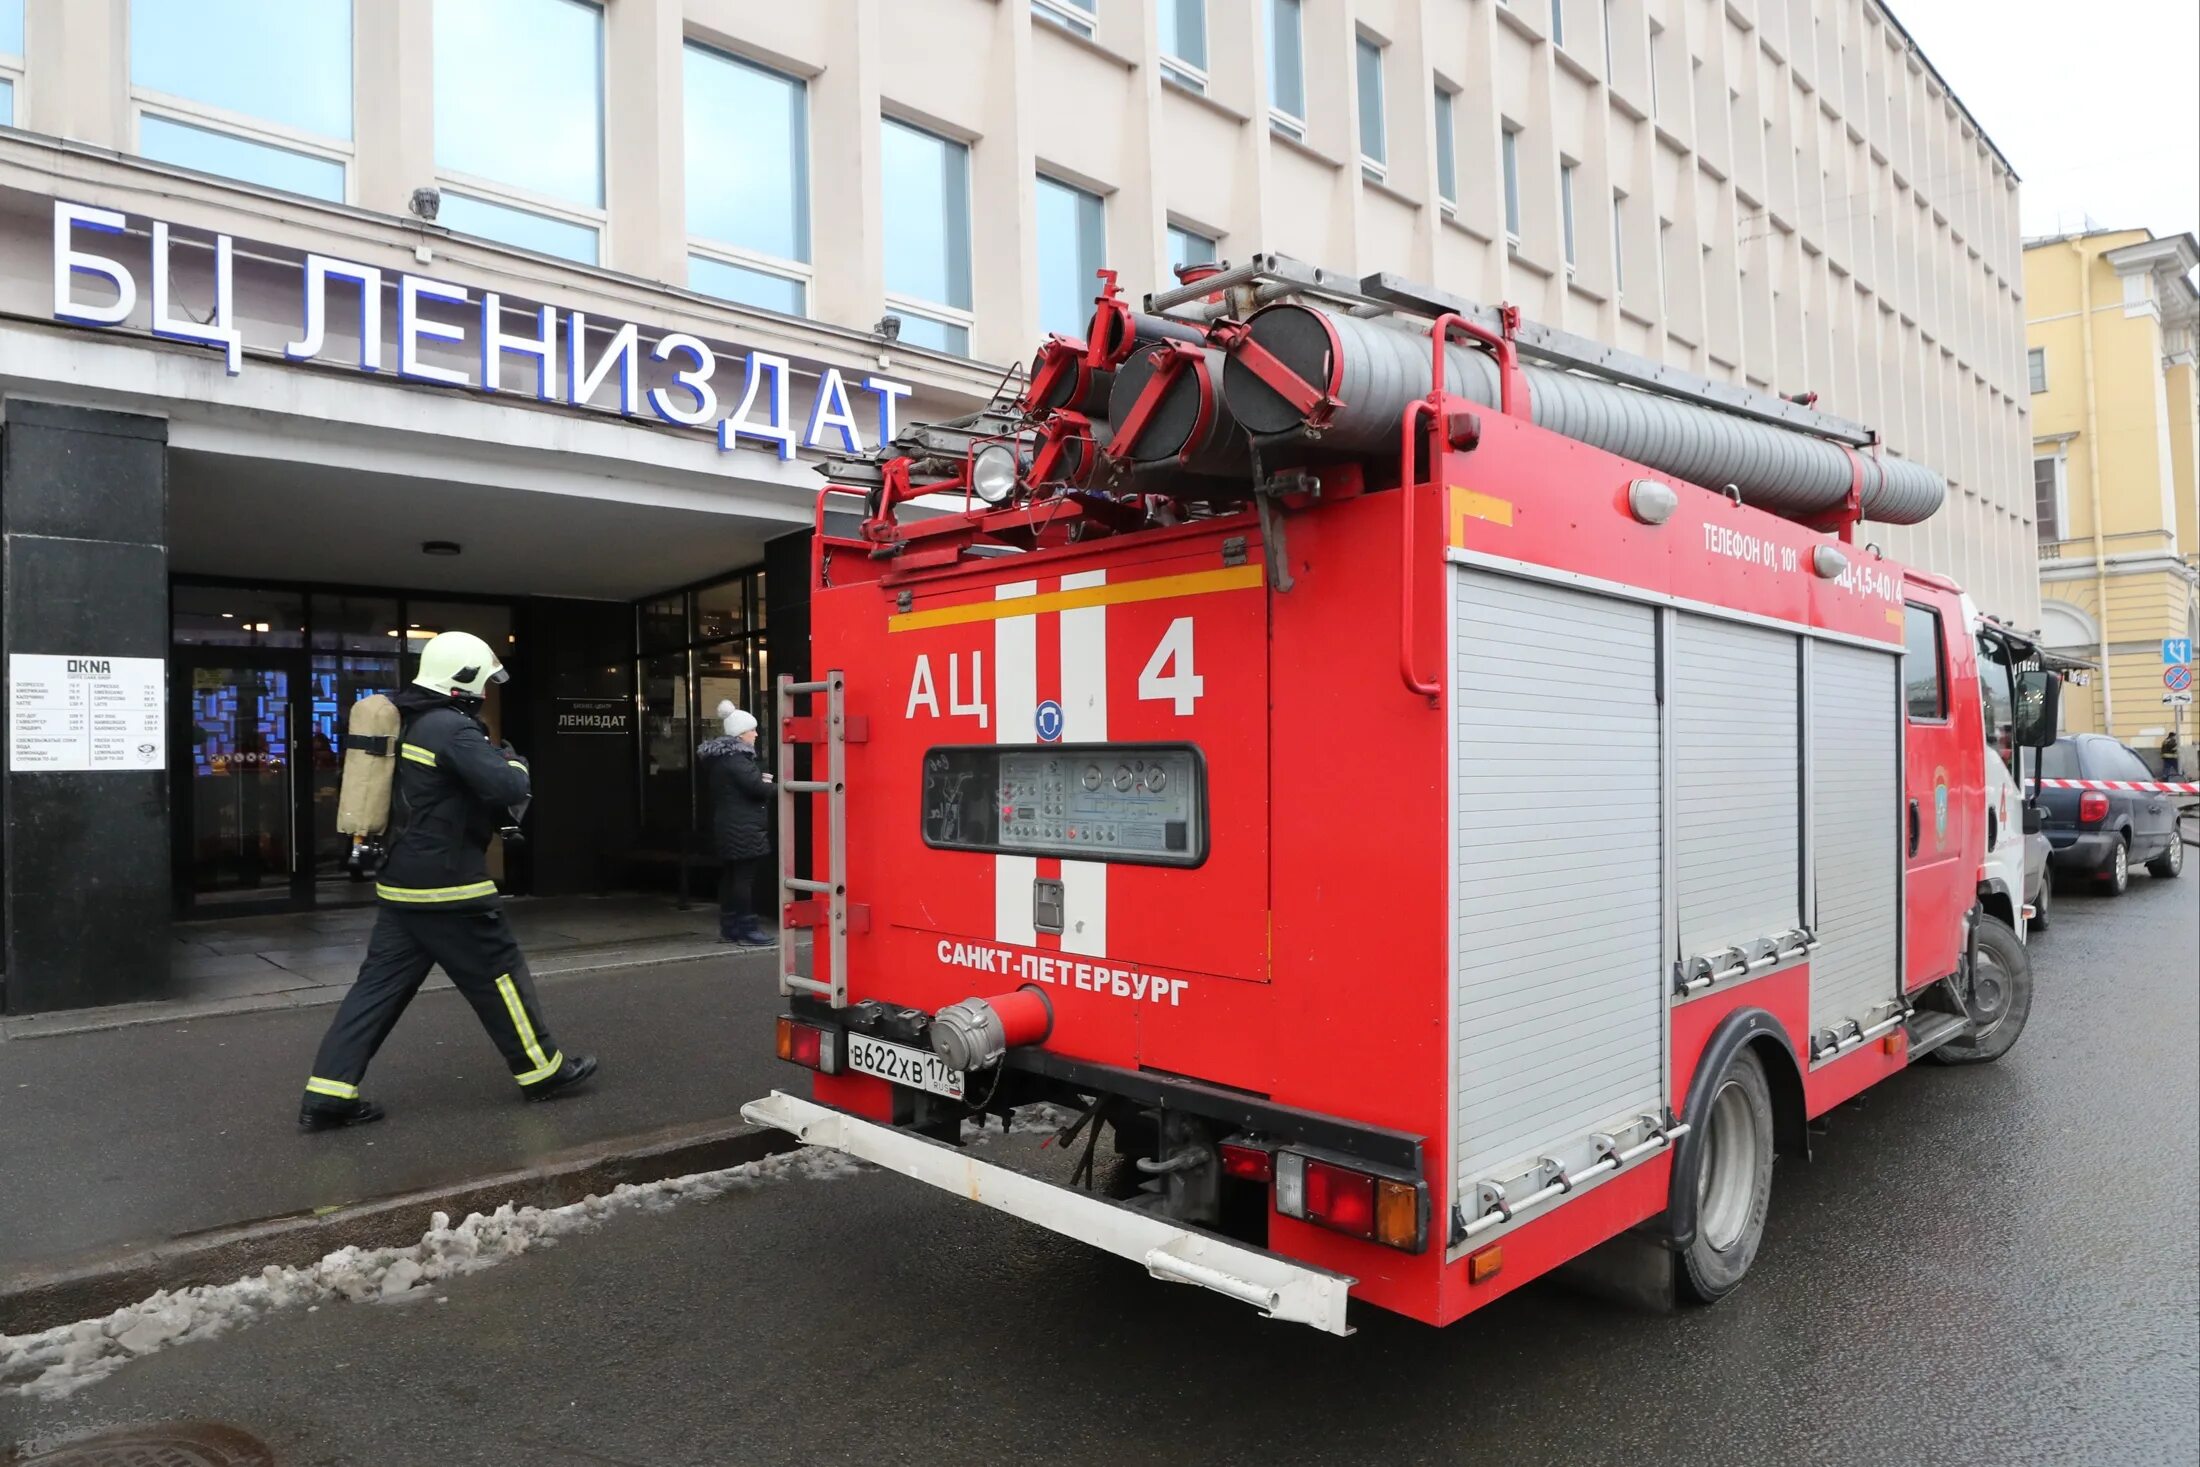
x=2131, y=786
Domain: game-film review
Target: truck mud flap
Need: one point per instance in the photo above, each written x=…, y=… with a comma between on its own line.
x=1276, y=1286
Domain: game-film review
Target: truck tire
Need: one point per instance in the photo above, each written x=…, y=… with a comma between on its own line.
x=2171, y=862
x=1733, y=1183
x=2115, y=877
x=2001, y=1007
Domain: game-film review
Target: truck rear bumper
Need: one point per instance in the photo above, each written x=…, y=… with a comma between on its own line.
x=1276, y=1286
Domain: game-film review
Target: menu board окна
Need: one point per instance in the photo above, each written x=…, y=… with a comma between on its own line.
x=86, y=713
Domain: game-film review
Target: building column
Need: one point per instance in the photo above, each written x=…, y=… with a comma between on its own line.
x=84, y=572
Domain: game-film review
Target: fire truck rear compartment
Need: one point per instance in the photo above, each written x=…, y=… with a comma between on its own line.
x=1653, y=803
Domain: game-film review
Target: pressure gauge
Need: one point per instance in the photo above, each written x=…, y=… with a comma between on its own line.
x=1157, y=779
x=1092, y=777
x=1122, y=779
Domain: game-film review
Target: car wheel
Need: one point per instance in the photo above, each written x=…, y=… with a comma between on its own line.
x=1999, y=1000
x=2171, y=862
x=2043, y=905
x=2115, y=877
x=1733, y=1183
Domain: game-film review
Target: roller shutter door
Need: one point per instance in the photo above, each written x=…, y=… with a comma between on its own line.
x=1560, y=924
x=1737, y=785
x=1856, y=821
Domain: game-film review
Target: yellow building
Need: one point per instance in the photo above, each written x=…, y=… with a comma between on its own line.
x=2111, y=332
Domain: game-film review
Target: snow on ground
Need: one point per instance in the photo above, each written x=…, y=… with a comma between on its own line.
x=68, y=1357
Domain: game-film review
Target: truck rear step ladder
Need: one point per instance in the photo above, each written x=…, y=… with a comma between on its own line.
x=1276, y=1286
x=804, y=902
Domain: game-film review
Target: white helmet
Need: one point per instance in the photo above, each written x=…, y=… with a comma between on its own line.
x=459, y=664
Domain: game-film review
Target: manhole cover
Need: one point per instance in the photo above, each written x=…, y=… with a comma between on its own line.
x=176, y=1444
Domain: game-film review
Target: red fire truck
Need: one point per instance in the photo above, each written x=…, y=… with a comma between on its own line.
x=1448, y=799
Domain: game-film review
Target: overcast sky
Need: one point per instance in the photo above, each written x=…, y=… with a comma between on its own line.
x=2095, y=103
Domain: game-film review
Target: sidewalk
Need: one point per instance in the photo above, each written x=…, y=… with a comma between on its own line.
x=305, y=959
x=132, y=1135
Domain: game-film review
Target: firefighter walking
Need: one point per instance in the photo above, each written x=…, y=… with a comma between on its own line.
x=451, y=792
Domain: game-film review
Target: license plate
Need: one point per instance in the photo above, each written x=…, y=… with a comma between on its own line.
x=919, y=1069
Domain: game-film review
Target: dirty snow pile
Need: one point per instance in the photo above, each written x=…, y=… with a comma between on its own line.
x=1028, y=1120
x=68, y=1357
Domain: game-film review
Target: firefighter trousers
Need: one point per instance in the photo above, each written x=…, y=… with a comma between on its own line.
x=484, y=962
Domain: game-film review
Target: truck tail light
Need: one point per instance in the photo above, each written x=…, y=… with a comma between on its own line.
x=1380, y=1209
x=808, y=1045
x=2092, y=808
x=1247, y=1162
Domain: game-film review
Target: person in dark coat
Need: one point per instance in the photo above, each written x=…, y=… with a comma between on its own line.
x=740, y=813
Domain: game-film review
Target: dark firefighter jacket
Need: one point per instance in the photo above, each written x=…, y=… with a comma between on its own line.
x=453, y=791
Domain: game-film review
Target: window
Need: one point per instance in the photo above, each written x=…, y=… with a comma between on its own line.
x=2059, y=760
x=1558, y=22
x=1566, y=210
x=1998, y=698
x=1373, y=156
x=1511, y=146
x=256, y=90
x=519, y=122
x=1189, y=247
x=2123, y=762
x=1608, y=65
x=1071, y=15
x=1447, y=151
x=748, y=181
x=2047, y=497
x=1286, y=69
x=1924, y=678
x=926, y=187
x=1073, y=245
x=523, y=229
x=11, y=57
x=1619, y=242
x=1183, y=25
x=2035, y=362
x=698, y=648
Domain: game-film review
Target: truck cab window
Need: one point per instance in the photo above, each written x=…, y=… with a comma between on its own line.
x=1998, y=699
x=1924, y=670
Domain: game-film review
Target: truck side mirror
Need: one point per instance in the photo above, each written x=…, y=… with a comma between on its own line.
x=2035, y=820
x=2039, y=709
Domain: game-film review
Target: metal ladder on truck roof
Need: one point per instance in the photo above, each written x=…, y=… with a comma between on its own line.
x=805, y=902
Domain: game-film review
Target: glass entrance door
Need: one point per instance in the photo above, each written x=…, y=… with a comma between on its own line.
x=239, y=775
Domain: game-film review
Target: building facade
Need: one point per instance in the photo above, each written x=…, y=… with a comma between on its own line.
x=328, y=324
x=2112, y=318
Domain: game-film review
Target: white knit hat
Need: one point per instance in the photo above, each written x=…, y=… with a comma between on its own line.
x=736, y=722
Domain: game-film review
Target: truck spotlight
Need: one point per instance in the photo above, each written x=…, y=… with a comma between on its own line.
x=994, y=472
x=1651, y=502
x=1828, y=562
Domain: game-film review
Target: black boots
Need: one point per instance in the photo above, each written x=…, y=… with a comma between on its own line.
x=569, y=1074
x=323, y=1113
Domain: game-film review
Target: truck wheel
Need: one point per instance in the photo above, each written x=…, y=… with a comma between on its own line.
x=1999, y=1002
x=1733, y=1183
x=2115, y=877
x=2170, y=862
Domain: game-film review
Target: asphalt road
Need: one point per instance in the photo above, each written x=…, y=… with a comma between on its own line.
x=1995, y=1265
